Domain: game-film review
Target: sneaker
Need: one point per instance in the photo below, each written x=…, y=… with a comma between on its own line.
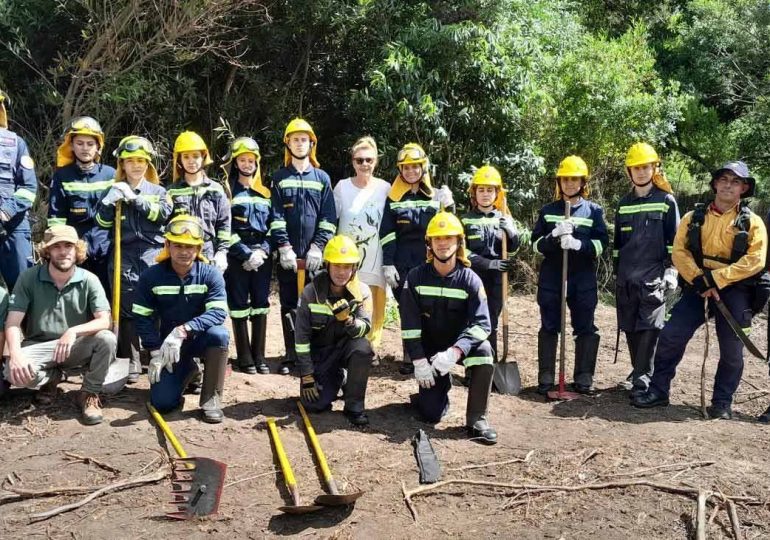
x=48, y=392
x=91, y=407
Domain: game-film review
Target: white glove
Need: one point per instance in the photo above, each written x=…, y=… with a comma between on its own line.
x=570, y=242
x=562, y=228
x=671, y=278
x=391, y=276
x=113, y=195
x=313, y=258
x=156, y=366
x=423, y=373
x=444, y=196
x=506, y=224
x=256, y=259
x=287, y=258
x=442, y=362
x=220, y=260
x=125, y=189
x=169, y=350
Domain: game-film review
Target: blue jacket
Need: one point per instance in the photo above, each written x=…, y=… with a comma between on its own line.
x=484, y=240
x=143, y=218
x=75, y=195
x=402, y=230
x=303, y=209
x=165, y=300
x=440, y=312
x=208, y=202
x=590, y=229
x=250, y=224
x=18, y=183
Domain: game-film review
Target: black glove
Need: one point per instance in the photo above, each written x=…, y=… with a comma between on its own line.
x=704, y=282
x=501, y=265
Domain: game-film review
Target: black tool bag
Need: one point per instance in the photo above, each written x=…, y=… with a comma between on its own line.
x=427, y=461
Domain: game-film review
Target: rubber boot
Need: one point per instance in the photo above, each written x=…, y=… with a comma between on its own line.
x=215, y=366
x=478, y=399
x=288, y=342
x=128, y=347
x=354, y=388
x=407, y=367
x=646, y=342
x=546, y=361
x=586, y=349
x=243, y=361
x=258, y=332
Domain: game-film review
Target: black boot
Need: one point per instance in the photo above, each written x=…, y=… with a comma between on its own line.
x=243, y=361
x=215, y=365
x=288, y=341
x=586, y=349
x=406, y=367
x=354, y=387
x=128, y=347
x=646, y=341
x=546, y=361
x=478, y=399
x=258, y=330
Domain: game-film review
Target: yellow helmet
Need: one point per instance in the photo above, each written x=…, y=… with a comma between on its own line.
x=4, y=101
x=444, y=224
x=412, y=153
x=82, y=125
x=184, y=229
x=572, y=166
x=341, y=250
x=135, y=146
x=189, y=141
x=295, y=126
x=640, y=154
x=487, y=175
x=240, y=146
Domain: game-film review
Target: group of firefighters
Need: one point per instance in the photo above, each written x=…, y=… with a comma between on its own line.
x=198, y=250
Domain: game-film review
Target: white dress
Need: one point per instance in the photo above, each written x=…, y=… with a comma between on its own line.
x=360, y=213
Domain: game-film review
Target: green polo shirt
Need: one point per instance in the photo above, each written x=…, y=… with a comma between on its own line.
x=50, y=311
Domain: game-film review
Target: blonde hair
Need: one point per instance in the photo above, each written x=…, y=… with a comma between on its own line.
x=81, y=252
x=364, y=142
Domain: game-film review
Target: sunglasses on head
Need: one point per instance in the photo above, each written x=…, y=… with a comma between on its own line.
x=180, y=228
x=362, y=160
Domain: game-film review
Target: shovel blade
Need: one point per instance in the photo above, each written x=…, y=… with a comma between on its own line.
x=562, y=395
x=299, y=509
x=506, y=379
x=196, y=487
x=344, y=499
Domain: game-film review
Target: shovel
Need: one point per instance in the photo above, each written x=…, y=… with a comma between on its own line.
x=334, y=497
x=506, y=378
x=300, y=277
x=116, y=269
x=288, y=475
x=561, y=393
x=197, y=482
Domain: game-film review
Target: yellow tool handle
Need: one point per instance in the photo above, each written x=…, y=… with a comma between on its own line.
x=116, y=269
x=167, y=431
x=316, y=446
x=288, y=474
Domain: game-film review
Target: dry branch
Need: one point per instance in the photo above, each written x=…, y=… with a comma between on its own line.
x=734, y=520
x=685, y=466
x=525, y=459
x=700, y=519
x=89, y=459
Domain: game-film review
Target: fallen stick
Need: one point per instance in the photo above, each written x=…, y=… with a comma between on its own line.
x=525, y=459
x=98, y=463
x=24, y=493
x=151, y=478
x=734, y=520
x=700, y=519
x=689, y=465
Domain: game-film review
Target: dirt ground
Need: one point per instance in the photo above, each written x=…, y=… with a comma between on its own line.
x=596, y=439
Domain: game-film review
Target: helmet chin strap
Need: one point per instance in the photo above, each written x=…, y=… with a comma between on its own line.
x=647, y=183
x=445, y=259
x=295, y=156
x=244, y=173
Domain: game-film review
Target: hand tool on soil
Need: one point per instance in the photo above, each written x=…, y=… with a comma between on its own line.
x=300, y=277
x=737, y=329
x=196, y=482
x=334, y=497
x=506, y=379
x=561, y=393
x=427, y=460
x=288, y=475
x=116, y=269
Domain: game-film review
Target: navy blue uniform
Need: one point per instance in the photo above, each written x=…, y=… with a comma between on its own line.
x=18, y=188
x=208, y=202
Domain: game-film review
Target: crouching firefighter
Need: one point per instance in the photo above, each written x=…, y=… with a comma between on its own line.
x=585, y=237
x=720, y=251
x=185, y=298
x=445, y=321
x=333, y=318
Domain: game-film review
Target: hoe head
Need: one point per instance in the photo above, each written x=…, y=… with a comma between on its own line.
x=196, y=487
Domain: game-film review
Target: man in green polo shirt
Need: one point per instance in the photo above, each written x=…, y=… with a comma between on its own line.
x=65, y=317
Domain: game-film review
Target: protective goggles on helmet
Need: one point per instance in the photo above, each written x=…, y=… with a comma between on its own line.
x=410, y=155
x=244, y=144
x=134, y=144
x=181, y=227
x=85, y=123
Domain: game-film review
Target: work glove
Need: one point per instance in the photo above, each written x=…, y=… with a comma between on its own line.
x=570, y=242
x=309, y=389
x=113, y=195
x=341, y=310
x=314, y=258
x=156, y=365
x=255, y=260
x=562, y=228
x=355, y=328
x=125, y=190
x=169, y=350
x=445, y=197
x=220, y=260
x=506, y=224
x=423, y=373
x=391, y=276
x=500, y=265
x=671, y=279
x=442, y=362
x=287, y=258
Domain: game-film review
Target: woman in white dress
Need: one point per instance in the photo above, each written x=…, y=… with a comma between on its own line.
x=360, y=202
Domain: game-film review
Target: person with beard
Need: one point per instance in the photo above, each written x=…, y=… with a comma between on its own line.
x=249, y=266
x=145, y=208
x=180, y=309
x=444, y=322
x=77, y=186
x=64, y=316
x=584, y=236
x=303, y=220
x=411, y=204
x=645, y=226
x=18, y=188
